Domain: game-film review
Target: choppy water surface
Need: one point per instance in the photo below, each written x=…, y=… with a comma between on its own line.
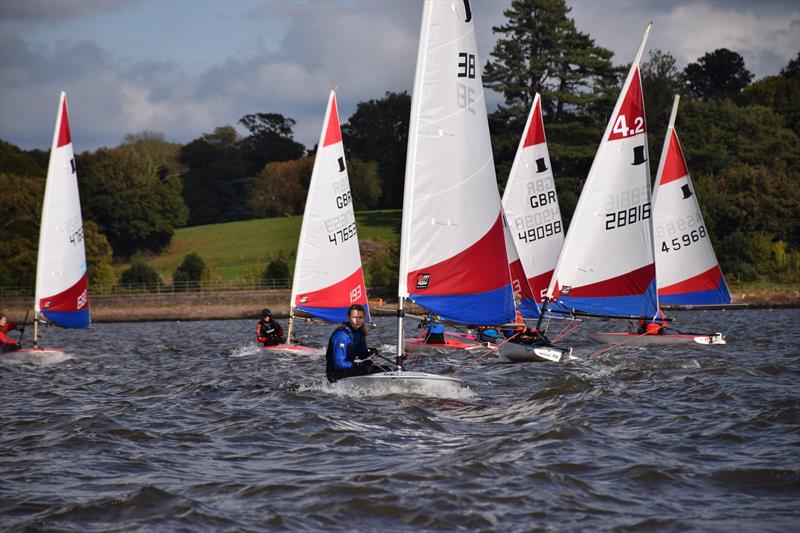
x=189, y=426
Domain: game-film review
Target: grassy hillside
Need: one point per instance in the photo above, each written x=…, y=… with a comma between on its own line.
x=234, y=247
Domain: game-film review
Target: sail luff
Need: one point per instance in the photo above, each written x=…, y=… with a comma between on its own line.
x=51, y=169
x=411, y=154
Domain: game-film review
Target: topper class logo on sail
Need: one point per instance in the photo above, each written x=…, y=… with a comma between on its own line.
x=423, y=280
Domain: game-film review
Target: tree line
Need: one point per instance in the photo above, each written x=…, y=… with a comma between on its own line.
x=741, y=139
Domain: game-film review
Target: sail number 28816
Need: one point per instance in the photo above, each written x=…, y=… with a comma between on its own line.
x=626, y=217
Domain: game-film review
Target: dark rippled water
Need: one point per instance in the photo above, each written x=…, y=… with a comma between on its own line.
x=188, y=426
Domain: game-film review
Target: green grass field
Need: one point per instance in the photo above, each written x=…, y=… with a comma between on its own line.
x=233, y=248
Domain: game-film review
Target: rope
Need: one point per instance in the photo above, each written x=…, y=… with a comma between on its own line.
x=733, y=324
x=568, y=330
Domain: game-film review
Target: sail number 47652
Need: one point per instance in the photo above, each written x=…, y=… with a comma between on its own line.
x=76, y=236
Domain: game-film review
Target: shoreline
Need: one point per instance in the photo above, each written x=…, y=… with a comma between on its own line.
x=232, y=305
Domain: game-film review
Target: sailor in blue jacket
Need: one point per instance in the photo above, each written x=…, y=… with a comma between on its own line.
x=348, y=343
x=435, y=334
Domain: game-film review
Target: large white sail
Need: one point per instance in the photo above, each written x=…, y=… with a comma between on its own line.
x=62, y=293
x=687, y=269
x=453, y=260
x=531, y=207
x=607, y=265
x=328, y=275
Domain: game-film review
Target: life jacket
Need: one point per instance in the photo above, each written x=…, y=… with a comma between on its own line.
x=356, y=347
x=654, y=328
x=269, y=331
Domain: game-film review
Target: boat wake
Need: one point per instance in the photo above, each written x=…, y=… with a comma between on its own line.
x=38, y=357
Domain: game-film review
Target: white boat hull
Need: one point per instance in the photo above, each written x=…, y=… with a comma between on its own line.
x=515, y=352
x=403, y=382
x=635, y=339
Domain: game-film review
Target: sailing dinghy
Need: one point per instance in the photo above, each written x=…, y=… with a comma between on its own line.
x=328, y=276
x=687, y=269
x=534, y=235
x=607, y=266
x=62, y=289
x=452, y=250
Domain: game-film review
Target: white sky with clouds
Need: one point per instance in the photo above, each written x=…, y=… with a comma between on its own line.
x=185, y=67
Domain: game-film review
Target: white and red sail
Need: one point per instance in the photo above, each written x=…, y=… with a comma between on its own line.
x=328, y=276
x=452, y=260
x=531, y=207
x=607, y=265
x=686, y=267
x=62, y=292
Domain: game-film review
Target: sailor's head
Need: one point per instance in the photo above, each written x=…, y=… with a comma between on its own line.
x=266, y=313
x=355, y=314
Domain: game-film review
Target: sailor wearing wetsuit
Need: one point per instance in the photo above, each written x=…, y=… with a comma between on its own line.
x=348, y=343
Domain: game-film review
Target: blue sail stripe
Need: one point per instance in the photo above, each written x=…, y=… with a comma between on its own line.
x=70, y=319
x=720, y=295
x=333, y=314
x=485, y=308
x=633, y=305
x=528, y=308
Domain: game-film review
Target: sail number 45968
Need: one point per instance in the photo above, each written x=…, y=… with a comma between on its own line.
x=684, y=240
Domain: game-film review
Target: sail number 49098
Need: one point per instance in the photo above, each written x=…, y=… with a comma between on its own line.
x=540, y=232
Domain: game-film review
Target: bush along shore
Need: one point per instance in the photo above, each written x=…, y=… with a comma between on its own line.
x=248, y=304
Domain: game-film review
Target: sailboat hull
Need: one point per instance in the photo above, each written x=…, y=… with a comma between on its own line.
x=516, y=352
x=294, y=348
x=636, y=339
x=403, y=382
x=448, y=343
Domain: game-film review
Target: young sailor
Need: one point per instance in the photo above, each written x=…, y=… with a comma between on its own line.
x=7, y=344
x=435, y=334
x=348, y=343
x=268, y=331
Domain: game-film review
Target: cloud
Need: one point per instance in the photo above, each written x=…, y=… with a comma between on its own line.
x=289, y=55
x=766, y=34
x=36, y=11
